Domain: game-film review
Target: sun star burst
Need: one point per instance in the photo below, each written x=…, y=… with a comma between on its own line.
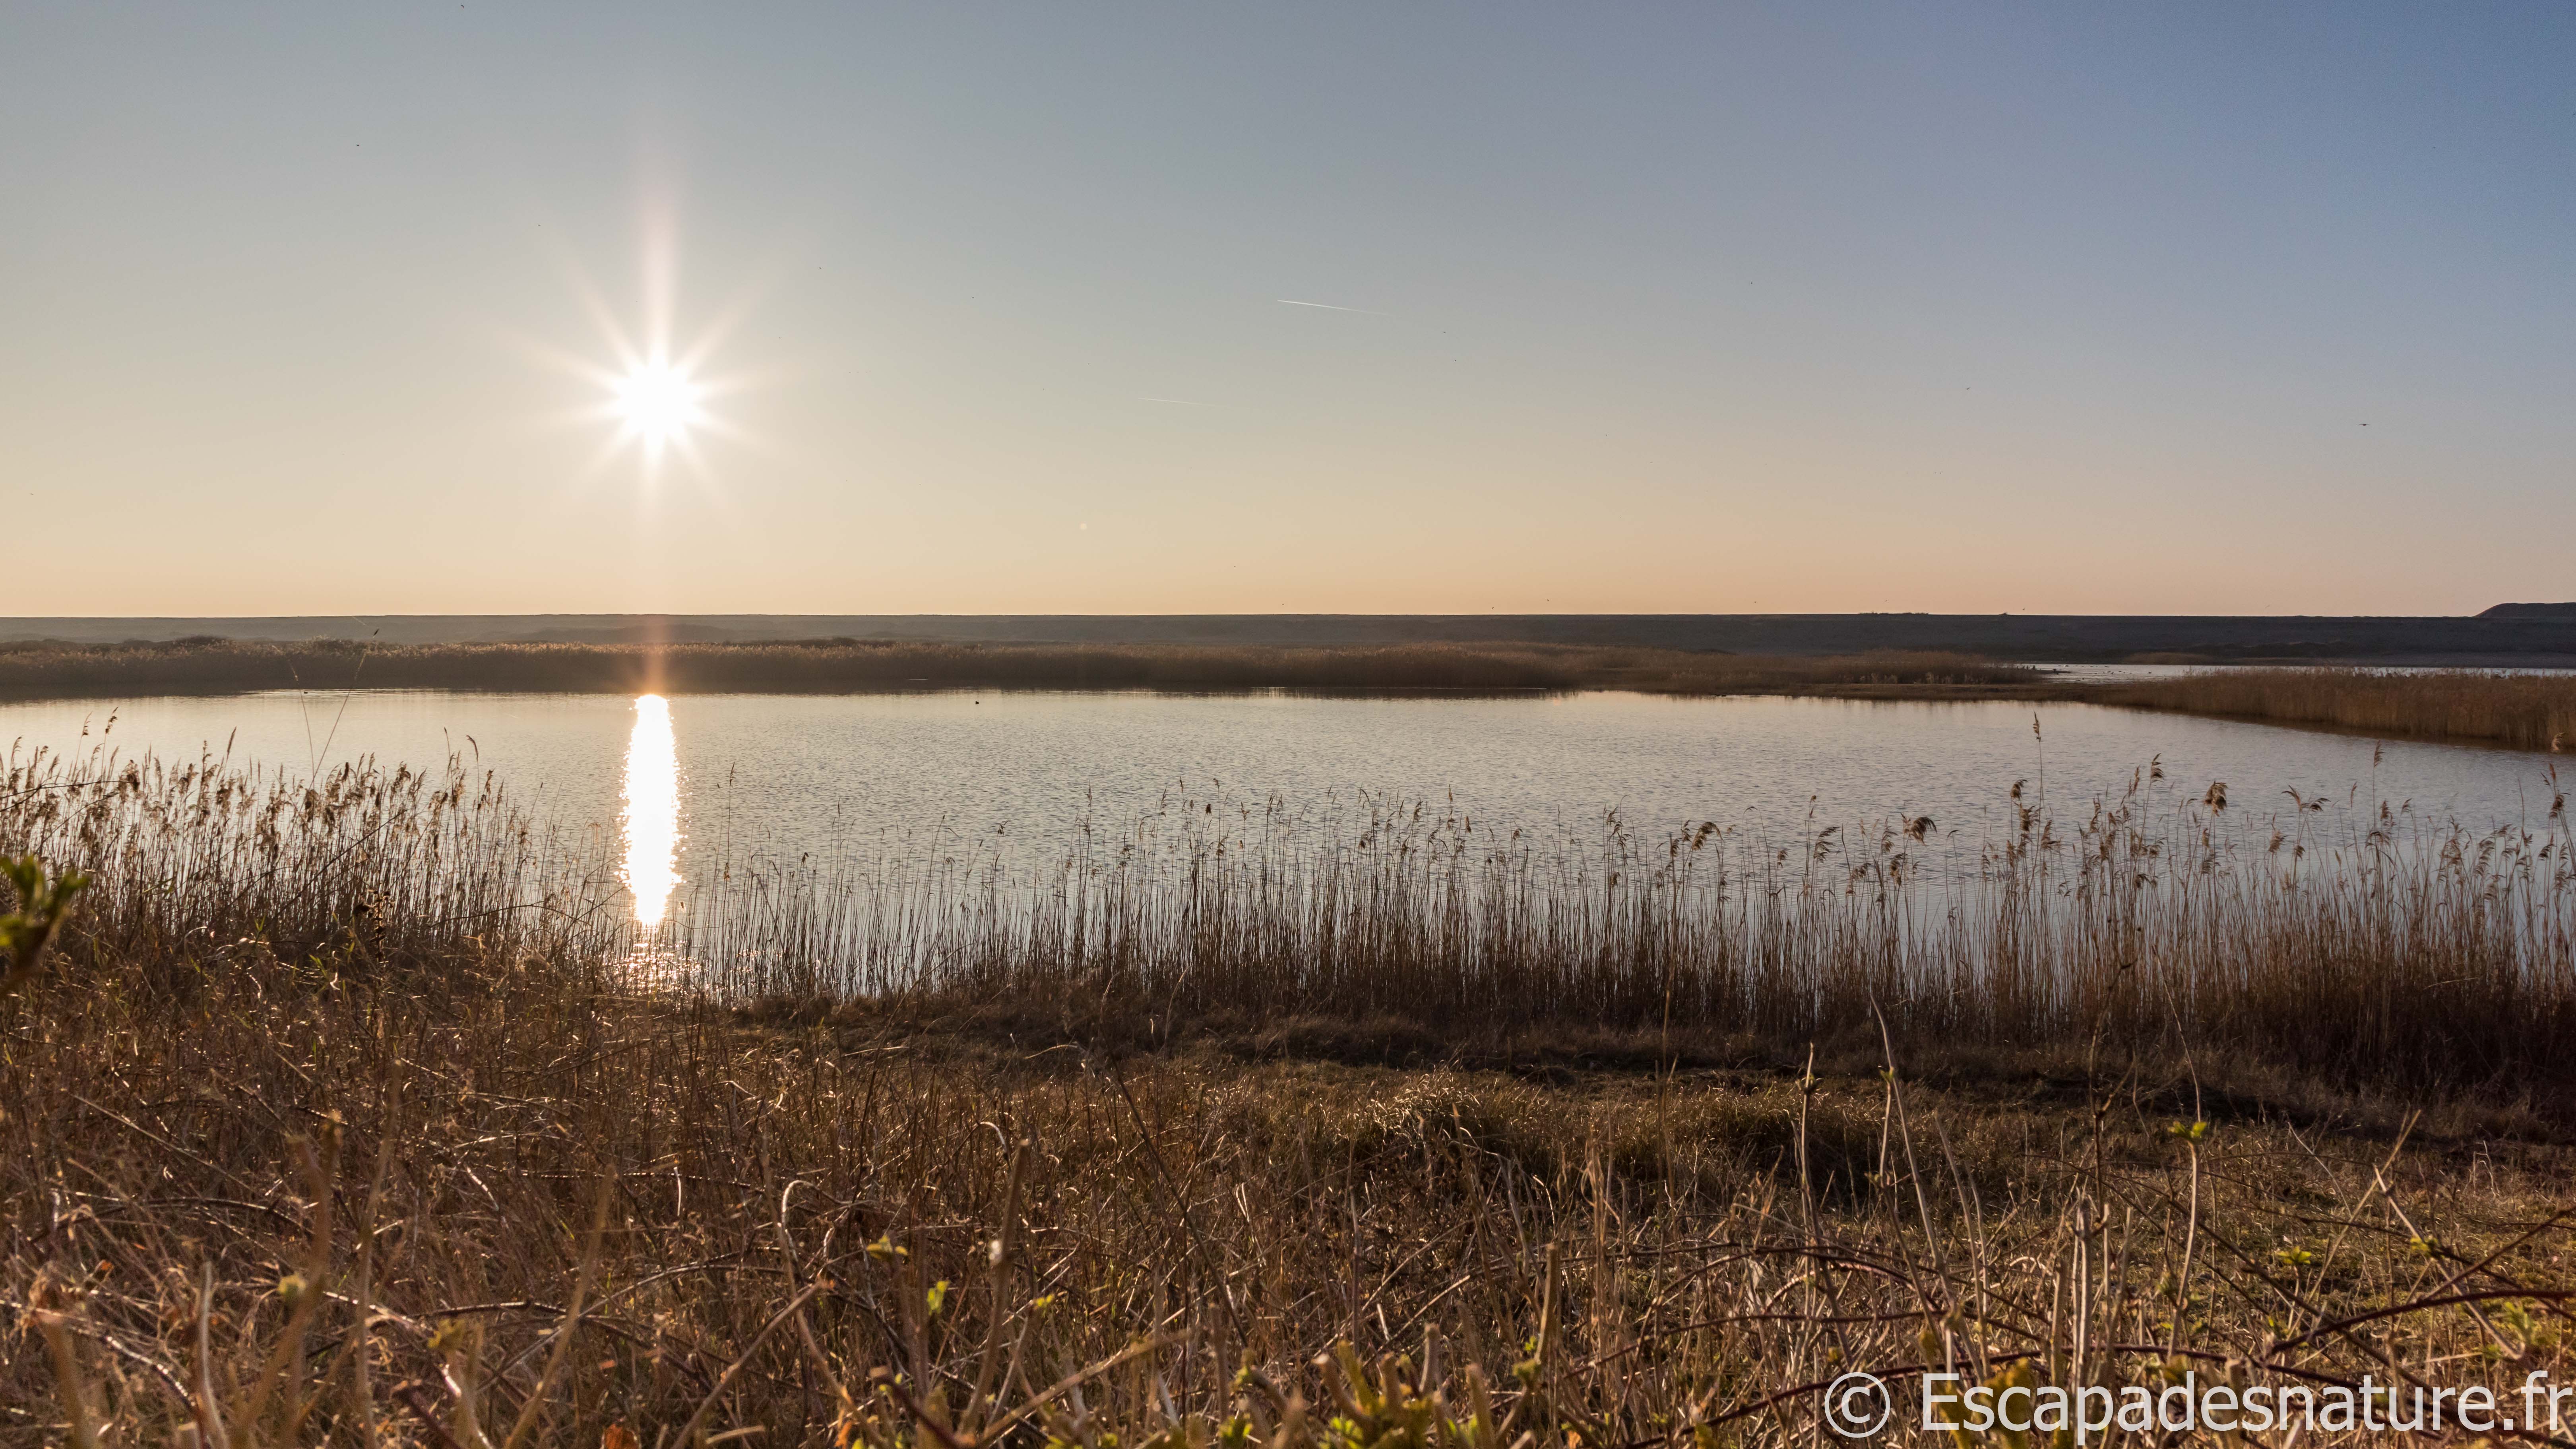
x=659, y=403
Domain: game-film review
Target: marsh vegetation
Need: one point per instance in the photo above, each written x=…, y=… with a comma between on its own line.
x=352, y=1112
x=845, y=665
x=2529, y=711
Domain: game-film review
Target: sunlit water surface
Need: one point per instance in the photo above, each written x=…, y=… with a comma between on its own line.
x=652, y=816
x=678, y=789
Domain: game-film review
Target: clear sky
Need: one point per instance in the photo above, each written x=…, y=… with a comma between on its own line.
x=2084, y=308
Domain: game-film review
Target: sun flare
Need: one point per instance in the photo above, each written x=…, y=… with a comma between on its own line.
x=659, y=403
x=654, y=387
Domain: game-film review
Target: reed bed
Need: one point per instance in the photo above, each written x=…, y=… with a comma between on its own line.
x=2349, y=942
x=337, y=1117
x=2364, y=946
x=848, y=665
x=364, y=864
x=2525, y=711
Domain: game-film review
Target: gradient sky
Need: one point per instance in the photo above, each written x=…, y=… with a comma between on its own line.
x=2089, y=308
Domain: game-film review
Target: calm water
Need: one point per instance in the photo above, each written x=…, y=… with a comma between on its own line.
x=740, y=776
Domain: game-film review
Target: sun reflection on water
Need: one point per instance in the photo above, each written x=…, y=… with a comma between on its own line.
x=652, y=812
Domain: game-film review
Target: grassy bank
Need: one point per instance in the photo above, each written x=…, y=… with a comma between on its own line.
x=843, y=665
x=2527, y=711
x=486, y=1202
x=339, y=1116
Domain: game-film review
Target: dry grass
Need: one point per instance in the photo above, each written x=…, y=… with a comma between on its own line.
x=337, y=1119
x=2366, y=947
x=383, y=1199
x=2526, y=711
x=846, y=665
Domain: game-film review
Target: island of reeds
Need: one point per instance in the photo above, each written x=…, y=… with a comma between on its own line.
x=833, y=666
x=351, y=1111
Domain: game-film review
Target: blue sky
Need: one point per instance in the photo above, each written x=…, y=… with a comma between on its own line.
x=2182, y=308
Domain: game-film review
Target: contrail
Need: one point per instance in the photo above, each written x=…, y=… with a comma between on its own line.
x=1329, y=307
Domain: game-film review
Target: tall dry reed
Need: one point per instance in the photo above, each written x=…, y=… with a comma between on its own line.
x=192, y=859
x=2531, y=711
x=2368, y=947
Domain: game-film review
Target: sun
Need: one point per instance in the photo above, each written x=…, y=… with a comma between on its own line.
x=653, y=391
x=659, y=402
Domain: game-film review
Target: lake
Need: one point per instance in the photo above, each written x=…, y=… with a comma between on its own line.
x=824, y=778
